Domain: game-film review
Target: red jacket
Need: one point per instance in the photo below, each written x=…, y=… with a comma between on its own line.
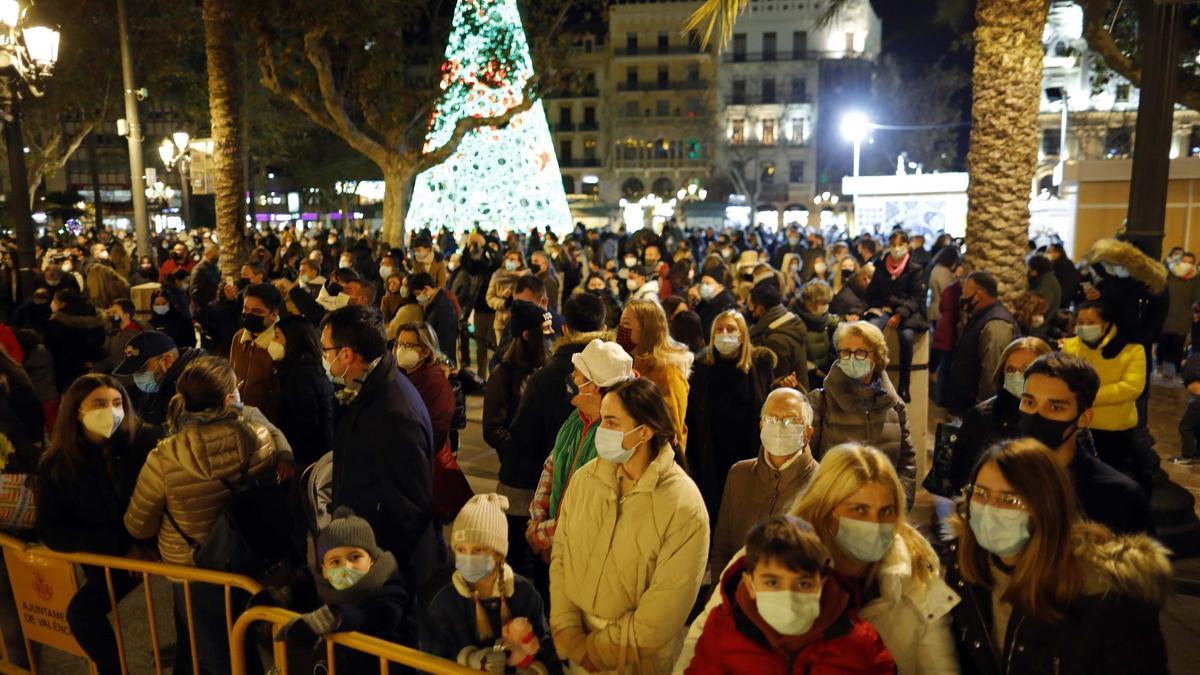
x=733, y=642
x=945, y=333
x=438, y=396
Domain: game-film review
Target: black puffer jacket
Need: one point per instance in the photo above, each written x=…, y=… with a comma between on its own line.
x=785, y=334
x=75, y=336
x=984, y=425
x=905, y=294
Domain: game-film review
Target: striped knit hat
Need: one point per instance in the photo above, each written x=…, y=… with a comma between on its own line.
x=481, y=522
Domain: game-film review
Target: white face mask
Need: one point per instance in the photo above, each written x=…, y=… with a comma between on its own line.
x=161, y=309
x=727, y=343
x=899, y=252
x=103, y=421
x=1182, y=269
x=782, y=440
x=610, y=445
x=788, y=612
x=407, y=358
x=632, y=284
x=864, y=541
x=385, y=271
x=1001, y=531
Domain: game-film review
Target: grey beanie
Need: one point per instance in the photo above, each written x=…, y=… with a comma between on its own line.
x=347, y=529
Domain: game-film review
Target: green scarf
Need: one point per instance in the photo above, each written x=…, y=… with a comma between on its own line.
x=572, y=443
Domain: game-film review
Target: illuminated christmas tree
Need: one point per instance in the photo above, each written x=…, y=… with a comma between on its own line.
x=498, y=177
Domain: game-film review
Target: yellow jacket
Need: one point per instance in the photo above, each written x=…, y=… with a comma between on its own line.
x=626, y=567
x=670, y=374
x=1122, y=379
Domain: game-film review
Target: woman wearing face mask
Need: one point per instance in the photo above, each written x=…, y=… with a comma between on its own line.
x=395, y=294
x=858, y=402
x=730, y=381
x=1044, y=591
x=631, y=543
x=790, y=279
x=418, y=356
x=1121, y=366
x=856, y=505
x=144, y=273
x=165, y=318
x=85, y=480
x=812, y=305
x=711, y=297
x=896, y=295
x=995, y=419
x=500, y=290
x=643, y=334
x=305, y=413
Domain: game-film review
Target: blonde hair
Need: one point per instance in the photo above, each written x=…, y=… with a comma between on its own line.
x=816, y=292
x=1038, y=346
x=844, y=470
x=655, y=345
x=869, y=334
x=745, y=358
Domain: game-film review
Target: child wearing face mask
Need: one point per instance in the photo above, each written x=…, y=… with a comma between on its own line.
x=361, y=589
x=783, y=611
x=486, y=605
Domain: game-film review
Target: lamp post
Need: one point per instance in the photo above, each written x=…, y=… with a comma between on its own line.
x=855, y=127
x=693, y=193
x=176, y=155
x=27, y=57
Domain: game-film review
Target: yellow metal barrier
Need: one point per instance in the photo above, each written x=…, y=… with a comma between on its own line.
x=175, y=573
x=387, y=652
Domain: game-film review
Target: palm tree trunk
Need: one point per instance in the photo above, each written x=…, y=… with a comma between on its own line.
x=1004, y=137
x=225, y=102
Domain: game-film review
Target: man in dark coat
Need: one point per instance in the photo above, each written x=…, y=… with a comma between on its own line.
x=711, y=298
x=989, y=329
x=74, y=335
x=439, y=312
x=479, y=261
x=382, y=442
x=780, y=331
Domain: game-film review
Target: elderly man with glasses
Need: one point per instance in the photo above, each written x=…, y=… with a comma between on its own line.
x=768, y=484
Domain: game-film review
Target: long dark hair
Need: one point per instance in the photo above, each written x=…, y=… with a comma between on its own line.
x=530, y=353
x=65, y=455
x=303, y=343
x=644, y=402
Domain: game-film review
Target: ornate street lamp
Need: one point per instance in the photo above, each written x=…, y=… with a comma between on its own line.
x=27, y=58
x=177, y=156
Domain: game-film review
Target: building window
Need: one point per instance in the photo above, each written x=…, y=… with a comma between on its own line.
x=1119, y=143
x=1050, y=141
x=591, y=187
x=589, y=149
x=768, y=46
x=693, y=73
x=799, y=44
x=589, y=115
x=569, y=184
x=768, y=174
x=564, y=117
x=663, y=187
x=799, y=90
x=739, y=47
x=768, y=90
x=631, y=108
x=739, y=92
x=633, y=189
x=1122, y=92
x=796, y=135
x=662, y=108
x=768, y=132
x=664, y=77
x=663, y=42
x=631, y=77
x=631, y=43
x=694, y=108
x=564, y=151
x=737, y=131
x=796, y=172
x=695, y=150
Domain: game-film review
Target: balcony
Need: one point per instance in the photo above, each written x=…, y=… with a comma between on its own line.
x=582, y=92
x=652, y=116
x=661, y=163
x=578, y=162
x=759, y=99
x=677, y=85
x=655, y=50
x=769, y=57
x=563, y=126
x=587, y=126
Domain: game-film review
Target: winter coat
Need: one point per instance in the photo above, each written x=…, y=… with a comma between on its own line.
x=983, y=426
x=755, y=490
x=1047, y=286
x=410, y=312
x=647, y=291
x=553, y=289
x=940, y=278
x=818, y=341
x=785, y=334
x=183, y=475
x=845, y=411
x=479, y=269
x=1122, y=380
x=1111, y=628
x=501, y=400
x=105, y=286
x=911, y=611
x=1182, y=294
x=734, y=642
x=976, y=355
x=378, y=605
x=382, y=467
x=722, y=418
x=670, y=374
x=1137, y=304
x=848, y=301
x=945, y=333
x=544, y=406
x=435, y=390
x=709, y=310
x=441, y=315
x=450, y=624
x=435, y=268
x=305, y=413
x=905, y=294
x=177, y=327
x=84, y=510
x=499, y=296
x=1105, y=495
x=75, y=336
x=255, y=370
x=626, y=565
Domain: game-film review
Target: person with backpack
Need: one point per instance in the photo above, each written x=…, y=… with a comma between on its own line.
x=182, y=489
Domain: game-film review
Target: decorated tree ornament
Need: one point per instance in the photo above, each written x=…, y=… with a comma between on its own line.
x=499, y=178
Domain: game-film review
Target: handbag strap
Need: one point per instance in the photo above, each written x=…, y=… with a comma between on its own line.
x=190, y=542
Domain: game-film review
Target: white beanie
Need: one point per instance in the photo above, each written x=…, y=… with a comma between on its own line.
x=481, y=522
x=604, y=363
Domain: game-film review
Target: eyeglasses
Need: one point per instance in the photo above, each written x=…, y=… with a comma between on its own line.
x=409, y=345
x=982, y=495
x=329, y=349
x=787, y=422
x=860, y=354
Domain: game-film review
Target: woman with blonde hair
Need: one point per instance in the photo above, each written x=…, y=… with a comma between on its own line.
x=995, y=419
x=643, y=333
x=789, y=276
x=730, y=382
x=859, y=403
x=856, y=504
x=1044, y=590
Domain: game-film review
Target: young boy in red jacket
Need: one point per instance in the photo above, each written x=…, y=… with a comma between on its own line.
x=782, y=612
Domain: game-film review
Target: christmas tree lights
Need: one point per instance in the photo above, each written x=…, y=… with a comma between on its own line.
x=505, y=178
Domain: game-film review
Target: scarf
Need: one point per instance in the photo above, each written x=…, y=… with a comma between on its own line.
x=503, y=589
x=894, y=267
x=574, y=447
x=834, y=601
x=385, y=568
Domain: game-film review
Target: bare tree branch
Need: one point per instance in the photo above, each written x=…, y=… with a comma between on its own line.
x=335, y=107
x=468, y=124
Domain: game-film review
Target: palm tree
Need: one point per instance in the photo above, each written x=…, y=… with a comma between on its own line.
x=1002, y=157
x=225, y=106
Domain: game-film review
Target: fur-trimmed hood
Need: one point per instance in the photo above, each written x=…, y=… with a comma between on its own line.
x=577, y=339
x=1134, y=566
x=764, y=358
x=1141, y=266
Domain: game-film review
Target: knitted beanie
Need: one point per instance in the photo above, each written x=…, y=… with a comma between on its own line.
x=347, y=529
x=481, y=522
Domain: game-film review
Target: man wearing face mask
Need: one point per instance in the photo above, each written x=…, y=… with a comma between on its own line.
x=254, y=350
x=1057, y=409
x=768, y=484
x=710, y=297
x=1183, y=291
x=424, y=261
x=779, y=330
x=791, y=244
x=440, y=312
x=154, y=362
x=382, y=442
x=990, y=328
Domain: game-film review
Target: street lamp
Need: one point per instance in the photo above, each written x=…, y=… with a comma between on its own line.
x=176, y=155
x=855, y=127
x=27, y=58
x=693, y=193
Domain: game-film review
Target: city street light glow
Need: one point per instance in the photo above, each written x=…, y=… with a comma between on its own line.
x=10, y=12
x=855, y=126
x=166, y=151
x=181, y=140
x=42, y=44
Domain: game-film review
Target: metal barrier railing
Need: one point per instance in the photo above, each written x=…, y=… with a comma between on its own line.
x=175, y=573
x=387, y=652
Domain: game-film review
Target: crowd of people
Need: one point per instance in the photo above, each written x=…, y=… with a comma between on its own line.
x=705, y=456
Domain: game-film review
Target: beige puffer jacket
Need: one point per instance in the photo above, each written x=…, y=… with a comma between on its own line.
x=183, y=474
